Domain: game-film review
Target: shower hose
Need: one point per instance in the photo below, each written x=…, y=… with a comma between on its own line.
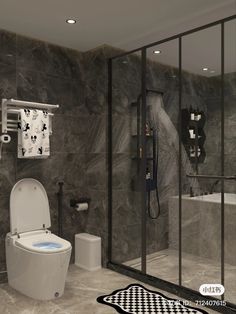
x=155, y=171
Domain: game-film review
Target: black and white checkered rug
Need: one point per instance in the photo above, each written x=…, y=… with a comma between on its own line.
x=136, y=299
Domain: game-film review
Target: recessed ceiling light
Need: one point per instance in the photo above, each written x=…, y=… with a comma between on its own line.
x=204, y=69
x=157, y=51
x=212, y=71
x=71, y=21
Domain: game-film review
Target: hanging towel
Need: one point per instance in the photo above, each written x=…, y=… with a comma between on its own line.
x=33, y=134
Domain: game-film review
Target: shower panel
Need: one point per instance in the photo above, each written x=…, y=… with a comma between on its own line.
x=152, y=143
x=153, y=174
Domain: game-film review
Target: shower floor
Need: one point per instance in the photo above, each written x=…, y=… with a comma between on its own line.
x=195, y=270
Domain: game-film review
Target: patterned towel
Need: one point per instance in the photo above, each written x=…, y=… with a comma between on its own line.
x=33, y=134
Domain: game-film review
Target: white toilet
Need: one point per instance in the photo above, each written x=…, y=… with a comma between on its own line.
x=37, y=260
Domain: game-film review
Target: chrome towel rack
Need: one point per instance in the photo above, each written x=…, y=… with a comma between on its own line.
x=13, y=106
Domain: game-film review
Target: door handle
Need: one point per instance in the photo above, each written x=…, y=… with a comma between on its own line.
x=205, y=176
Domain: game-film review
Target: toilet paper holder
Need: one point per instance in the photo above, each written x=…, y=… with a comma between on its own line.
x=75, y=202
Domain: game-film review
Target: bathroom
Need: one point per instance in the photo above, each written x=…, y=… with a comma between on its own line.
x=95, y=151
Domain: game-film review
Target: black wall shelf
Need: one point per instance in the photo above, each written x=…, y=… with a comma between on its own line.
x=193, y=135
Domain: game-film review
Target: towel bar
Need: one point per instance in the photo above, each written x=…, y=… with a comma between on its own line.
x=13, y=106
x=29, y=104
x=17, y=111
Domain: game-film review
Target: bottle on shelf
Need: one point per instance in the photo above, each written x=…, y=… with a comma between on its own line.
x=192, y=151
x=148, y=174
x=191, y=113
x=199, y=116
x=195, y=115
x=192, y=134
x=198, y=151
x=148, y=130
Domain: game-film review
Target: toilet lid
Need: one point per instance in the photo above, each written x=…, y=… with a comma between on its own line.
x=29, y=207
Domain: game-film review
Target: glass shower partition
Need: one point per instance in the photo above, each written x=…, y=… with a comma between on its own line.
x=172, y=182
x=126, y=157
x=162, y=118
x=230, y=160
x=201, y=108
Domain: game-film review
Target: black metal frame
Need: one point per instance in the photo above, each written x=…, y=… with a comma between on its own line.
x=222, y=159
x=141, y=275
x=143, y=163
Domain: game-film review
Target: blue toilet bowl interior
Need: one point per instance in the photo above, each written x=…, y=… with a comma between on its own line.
x=48, y=245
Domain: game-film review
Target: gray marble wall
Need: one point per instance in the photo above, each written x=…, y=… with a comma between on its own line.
x=37, y=71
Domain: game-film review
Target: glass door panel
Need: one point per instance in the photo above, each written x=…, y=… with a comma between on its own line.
x=162, y=174
x=201, y=155
x=230, y=160
x=126, y=141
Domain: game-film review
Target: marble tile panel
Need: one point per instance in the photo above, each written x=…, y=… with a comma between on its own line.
x=7, y=81
x=124, y=170
x=7, y=173
x=74, y=170
x=95, y=173
x=53, y=205
x=77, y=105
x=126, y=241
x=7, y=48
x=211, y=165
x=230, y=166
x=4, y=217
x=95, y=99
x=230, y=234
x=126, y=208
x=48, y=171
x=48, y=58
x=31, y=85
x=59, y=91
x=157, y=234
x=95, y=74
x=161, y=77
x=96, y=134
x=230, y=83
x=75, y=134
x=210, y=235
x=96, y=216
x=63, y=62
x=57, y=139
x=32, y=54
x=122, y=139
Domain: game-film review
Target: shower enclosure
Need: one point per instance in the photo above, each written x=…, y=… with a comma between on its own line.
x=172, y=163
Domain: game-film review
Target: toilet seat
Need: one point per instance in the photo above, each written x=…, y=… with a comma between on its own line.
x=47, y=243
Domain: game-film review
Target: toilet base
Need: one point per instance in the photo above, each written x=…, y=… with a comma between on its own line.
x=38, y=276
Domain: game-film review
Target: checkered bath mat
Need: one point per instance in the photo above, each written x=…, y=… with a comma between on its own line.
x=136, y=299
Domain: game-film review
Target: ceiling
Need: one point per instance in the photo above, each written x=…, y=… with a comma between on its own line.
x=122, y=24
